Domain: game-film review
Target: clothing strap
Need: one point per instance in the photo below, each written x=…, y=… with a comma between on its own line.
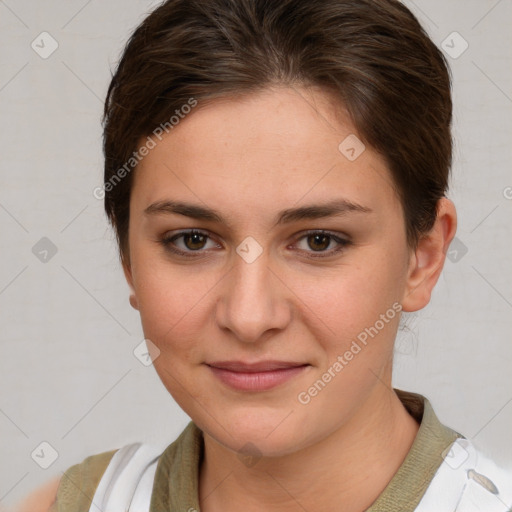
x=467, y=481
x=127, y=484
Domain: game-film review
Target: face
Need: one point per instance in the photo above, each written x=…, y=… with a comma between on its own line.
x=258, y=282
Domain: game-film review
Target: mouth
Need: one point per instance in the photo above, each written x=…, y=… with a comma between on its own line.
x=259, y=376
x=261, y=366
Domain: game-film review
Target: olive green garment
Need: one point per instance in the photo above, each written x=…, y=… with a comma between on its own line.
x=175, y=487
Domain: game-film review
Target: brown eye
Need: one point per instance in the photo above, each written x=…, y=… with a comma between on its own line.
x=194, y=241
x=187, y=243
x=319, y=241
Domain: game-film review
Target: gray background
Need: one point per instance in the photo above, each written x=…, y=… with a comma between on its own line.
x=68, y=373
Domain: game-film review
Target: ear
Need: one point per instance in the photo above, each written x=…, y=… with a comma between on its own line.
x=127, y=269
x=427, y=260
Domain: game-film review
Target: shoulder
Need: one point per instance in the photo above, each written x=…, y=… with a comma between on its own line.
x=40, y=499
x=468, y=478
x=118, y=473
x=79, y=482
x=71, y=491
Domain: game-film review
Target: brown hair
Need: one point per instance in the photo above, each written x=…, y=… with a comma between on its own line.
x=374, y=55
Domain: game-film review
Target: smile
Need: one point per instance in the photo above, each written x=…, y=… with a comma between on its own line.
x=257, y=377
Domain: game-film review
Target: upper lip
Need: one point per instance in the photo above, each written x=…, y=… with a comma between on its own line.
x=260, y=366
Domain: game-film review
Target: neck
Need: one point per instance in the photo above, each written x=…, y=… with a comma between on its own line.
x=350, y=467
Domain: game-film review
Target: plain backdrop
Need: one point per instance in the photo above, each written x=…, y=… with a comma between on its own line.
x=69, y=377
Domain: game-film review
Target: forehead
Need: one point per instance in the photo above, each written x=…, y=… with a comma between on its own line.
x=263, y=152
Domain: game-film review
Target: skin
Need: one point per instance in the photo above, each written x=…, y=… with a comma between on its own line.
x=249, y=158
x=40, y=499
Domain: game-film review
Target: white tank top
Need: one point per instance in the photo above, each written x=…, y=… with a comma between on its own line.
x=466, y=481
x=127, y=483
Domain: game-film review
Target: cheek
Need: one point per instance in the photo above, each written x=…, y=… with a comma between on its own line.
x=168, y=298
x=172, y=314
x=354, y=296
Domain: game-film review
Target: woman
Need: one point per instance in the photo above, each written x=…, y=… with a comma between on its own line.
x=276, y=174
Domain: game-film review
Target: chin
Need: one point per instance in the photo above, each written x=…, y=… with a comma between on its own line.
x=256, y=434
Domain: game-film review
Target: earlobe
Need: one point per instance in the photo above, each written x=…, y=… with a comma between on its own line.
x=427, y=261
x=127, y=269
x=133, y=301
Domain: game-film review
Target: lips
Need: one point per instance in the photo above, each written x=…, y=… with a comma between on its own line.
x=261, y=366
x=258, y=376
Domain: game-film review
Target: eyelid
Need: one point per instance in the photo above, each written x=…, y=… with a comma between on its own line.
x=168, y=239
x=341, y=239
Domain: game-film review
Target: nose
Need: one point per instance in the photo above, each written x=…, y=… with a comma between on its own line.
x=254, y=301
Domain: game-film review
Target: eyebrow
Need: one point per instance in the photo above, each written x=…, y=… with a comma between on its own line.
x=337, y=207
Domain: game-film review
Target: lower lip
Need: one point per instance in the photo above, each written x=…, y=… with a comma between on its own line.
x=257, y=381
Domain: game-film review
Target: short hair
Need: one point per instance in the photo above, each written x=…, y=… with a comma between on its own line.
x=372, y=54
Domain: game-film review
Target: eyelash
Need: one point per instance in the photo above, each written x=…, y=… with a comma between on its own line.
x=168, y=243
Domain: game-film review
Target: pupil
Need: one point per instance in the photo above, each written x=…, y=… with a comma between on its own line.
x=195, y=237
x=320, y=237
